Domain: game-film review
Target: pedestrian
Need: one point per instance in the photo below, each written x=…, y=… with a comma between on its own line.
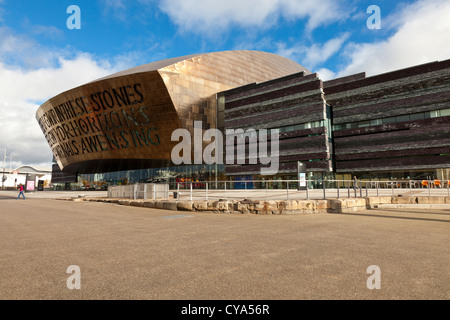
x=355, y=182
x=21, y=192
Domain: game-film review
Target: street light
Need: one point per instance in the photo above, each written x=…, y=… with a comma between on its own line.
x=10, y=158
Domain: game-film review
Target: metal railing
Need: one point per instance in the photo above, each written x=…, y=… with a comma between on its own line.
x=306, y=189
x=144, y=191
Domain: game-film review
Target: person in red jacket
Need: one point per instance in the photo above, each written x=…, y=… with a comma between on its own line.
x=21, y=192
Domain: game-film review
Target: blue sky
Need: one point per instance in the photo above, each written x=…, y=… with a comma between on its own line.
x=40, y=57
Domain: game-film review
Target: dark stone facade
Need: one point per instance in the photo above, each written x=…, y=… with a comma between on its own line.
x=393, y=121
x=293, y=104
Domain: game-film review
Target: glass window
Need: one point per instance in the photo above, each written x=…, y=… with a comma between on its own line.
x=445, y=112
x=388, y=120
x=375, y=122
x=299, y=127
x=363, y=124
x=402, y=118
x=417, y=116
x=434, y=114
x=290, y=128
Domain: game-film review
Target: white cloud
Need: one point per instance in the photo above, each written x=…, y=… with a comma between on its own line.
x=210, y=17
x=312, y=55
x=23, y=89
x=422, y=36
x=326, y=74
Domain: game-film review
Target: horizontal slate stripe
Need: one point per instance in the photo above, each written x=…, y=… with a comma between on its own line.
x=287, y=166
x=406, y=106
x=287, y=158
x=272, y=85
x=319, y=142
x=309, y=114
x=393, y=153
x=393, y=127
x=408, y=140
x=295, y=102
x=383, y=78
x=415, y=87
x=393, y=164
x=412, y=131
x=316, y=84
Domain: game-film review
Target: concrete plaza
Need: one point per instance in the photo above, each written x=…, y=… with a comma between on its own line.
x=126, y=252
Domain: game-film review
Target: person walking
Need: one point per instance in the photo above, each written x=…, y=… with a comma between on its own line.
x=355, y=182
x=21, y=192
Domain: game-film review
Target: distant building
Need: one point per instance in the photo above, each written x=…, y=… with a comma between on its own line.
x=41, y=177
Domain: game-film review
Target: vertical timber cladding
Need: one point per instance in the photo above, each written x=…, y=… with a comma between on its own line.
x=129, y=117
x=392, y=121
x=294, y=104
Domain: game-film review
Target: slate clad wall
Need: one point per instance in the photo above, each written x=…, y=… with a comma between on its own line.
x=292, y=100
x=400, y=145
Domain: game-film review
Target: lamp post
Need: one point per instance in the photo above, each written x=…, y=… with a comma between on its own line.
x=10, y=158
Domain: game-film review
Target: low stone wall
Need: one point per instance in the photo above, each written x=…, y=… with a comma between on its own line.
x=247, y=206
x=279, y=207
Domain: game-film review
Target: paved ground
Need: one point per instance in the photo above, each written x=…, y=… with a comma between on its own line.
x=138, y=253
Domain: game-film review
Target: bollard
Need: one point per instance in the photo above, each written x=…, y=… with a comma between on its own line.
x=307, y=192
x=287, y=190
x=324, y=192
x=429, y=189
x=191, y=191
x=338, y=189
x=348, y=188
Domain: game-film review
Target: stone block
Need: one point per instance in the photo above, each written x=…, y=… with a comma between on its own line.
x=136, y=203
x=223, y=205
x=307, y=205
x=201, y=205
x=431, y=200
x=149, y=204
x=404, y=200
x=185, y=205
x=335, y=205
x=270, y=207
x=322, y=205
x=170, y=205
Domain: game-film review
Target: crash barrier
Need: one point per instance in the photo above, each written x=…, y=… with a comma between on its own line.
x=140, y=191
